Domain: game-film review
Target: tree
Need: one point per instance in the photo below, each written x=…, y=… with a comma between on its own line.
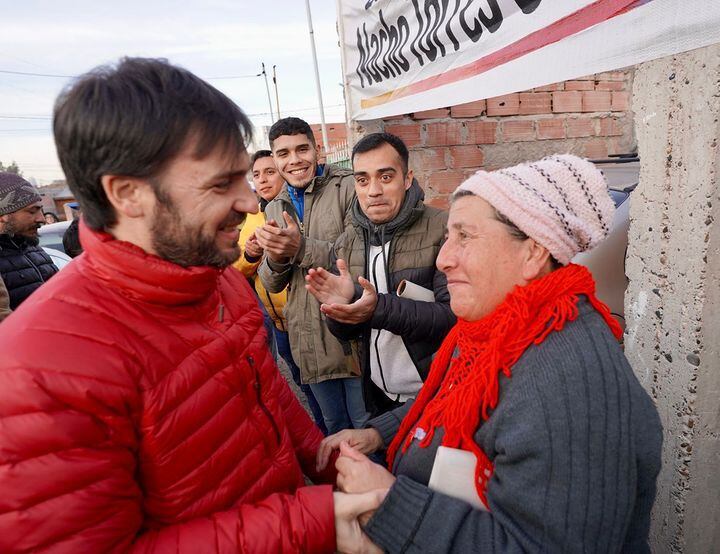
x=12, y=168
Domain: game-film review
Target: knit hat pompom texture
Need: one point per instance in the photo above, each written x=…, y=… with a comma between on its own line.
x=562, y=202
x=16, y=193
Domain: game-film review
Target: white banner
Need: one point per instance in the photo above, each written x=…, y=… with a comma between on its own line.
x=403, y=56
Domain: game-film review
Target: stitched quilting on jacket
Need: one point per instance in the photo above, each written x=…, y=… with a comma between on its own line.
x=140, y=409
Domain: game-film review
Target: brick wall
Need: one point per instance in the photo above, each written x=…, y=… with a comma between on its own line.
x=589, y=116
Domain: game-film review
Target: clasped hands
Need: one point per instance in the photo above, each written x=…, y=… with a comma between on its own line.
x=280, y=244
x=363, y=485
x=335, y=294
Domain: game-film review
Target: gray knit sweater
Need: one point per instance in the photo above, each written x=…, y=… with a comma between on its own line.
x=575, y=441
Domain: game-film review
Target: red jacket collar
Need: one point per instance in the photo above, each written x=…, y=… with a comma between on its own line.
x=142, y=276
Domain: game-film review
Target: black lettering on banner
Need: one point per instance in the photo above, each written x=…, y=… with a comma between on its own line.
x=436, y=25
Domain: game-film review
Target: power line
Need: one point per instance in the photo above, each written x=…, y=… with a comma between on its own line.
x=290, y=110
x=36, y=74
x=55, y=75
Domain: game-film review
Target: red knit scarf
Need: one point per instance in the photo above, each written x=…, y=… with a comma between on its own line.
x=460, y=392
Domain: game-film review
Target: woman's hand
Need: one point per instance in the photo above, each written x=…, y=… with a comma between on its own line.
x=366, y=441
x=358, y=474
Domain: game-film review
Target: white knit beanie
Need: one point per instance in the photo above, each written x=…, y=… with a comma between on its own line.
x=562, y=202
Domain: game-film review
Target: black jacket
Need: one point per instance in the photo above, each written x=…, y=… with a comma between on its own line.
x=24, y=266
x=415, y=238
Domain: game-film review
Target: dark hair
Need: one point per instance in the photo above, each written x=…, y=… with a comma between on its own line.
x=52, y=214
x=71, y=239
x=376, y=140
x=290, y=126
x=132, y=120
x=259, y=155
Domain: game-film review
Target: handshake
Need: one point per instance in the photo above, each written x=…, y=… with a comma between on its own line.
x=362, y=486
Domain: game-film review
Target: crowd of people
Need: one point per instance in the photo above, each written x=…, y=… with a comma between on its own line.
x=467, y=391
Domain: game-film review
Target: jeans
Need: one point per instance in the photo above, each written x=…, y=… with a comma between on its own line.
x=342, y=403
x=283, y=346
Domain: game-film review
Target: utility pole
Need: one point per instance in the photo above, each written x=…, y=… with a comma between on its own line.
x=267, y=89
x=277, y=96
x=317, y=77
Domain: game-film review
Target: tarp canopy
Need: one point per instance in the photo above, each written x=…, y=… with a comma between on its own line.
x=412, y=55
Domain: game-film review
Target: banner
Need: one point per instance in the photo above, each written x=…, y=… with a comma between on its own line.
x=403, y=56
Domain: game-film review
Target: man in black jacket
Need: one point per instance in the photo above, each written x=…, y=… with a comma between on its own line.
x=395, y=237
x=24, y=266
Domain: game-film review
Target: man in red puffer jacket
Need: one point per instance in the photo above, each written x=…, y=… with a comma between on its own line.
x=140, y=408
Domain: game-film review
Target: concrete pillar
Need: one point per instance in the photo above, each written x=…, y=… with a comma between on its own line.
x=673, y=300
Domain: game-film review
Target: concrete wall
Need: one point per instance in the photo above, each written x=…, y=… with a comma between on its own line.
x=673, y=300
x=588, y=116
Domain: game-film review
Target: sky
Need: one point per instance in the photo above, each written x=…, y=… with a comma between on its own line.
x=212, y=38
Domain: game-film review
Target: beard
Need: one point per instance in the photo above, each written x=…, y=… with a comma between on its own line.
x=25, y=233
x=187, y=246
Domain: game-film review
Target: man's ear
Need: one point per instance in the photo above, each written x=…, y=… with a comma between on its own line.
x=537, y=261
x=409, y=179
x=130, y=196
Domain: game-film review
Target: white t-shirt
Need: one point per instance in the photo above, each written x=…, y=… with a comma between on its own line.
x=391, y=367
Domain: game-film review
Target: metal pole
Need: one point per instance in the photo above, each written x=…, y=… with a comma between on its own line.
x=267, y=88
x=317, y=76
x=347, y=96
x=277, y=96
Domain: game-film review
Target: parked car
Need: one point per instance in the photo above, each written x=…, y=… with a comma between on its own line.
x=607, y=261
x=51, y=235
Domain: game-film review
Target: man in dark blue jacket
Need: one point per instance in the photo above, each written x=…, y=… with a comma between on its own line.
x=24, y=266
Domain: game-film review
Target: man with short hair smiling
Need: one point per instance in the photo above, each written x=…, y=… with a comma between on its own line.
x=24, y=266
x=303, y=222
x=268, y=184
x=140, y=408
x=394, y=237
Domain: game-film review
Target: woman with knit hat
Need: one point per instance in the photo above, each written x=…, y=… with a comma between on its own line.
x=531, y=385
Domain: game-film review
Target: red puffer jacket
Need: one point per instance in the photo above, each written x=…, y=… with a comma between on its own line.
x=140, y=409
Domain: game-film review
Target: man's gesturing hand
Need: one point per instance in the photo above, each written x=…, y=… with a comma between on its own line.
x=359, y=311
x=281, y=245
x=329, y=288
x=252, y=247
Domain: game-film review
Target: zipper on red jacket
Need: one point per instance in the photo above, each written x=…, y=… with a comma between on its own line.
x=262, y=405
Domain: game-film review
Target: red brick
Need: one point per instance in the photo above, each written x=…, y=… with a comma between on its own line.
x=393, y=117
x=567, y=101
x=432, y=159
x=610, y=85
x=535, y=103
x=439, y=202
x=620, y=101
x=445, y=182
x=515, y=131
x=471, y=109
x=550, y=88
x=443, y=134
x=466, y=156
x=610, y=126
x=432, y=114
x=611, y=76
x=596, y=101
x=595, y=148
x=580, y=127
x=410, y=134
x=550, y=129
x=579, y=85
x=508, y=104
x=482, y=132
